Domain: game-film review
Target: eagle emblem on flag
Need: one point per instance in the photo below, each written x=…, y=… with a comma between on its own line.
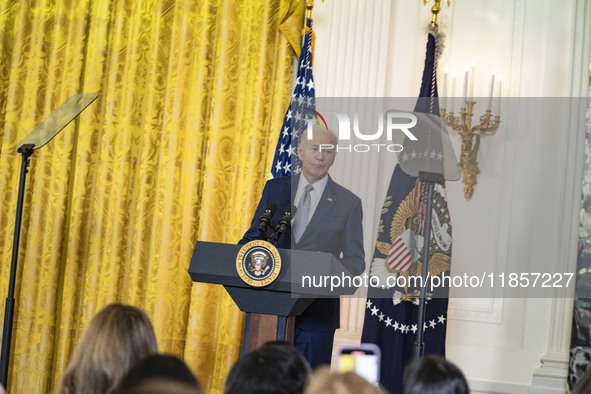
x=403, y=253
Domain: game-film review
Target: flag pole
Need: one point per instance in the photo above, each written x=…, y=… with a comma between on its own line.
x=430, y=179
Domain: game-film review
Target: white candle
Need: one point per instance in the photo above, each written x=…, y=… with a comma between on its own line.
x=465, y=90
x=490, y=92
x=472, y=79
x=452, y=96
x=444, y=89
x=497, y=110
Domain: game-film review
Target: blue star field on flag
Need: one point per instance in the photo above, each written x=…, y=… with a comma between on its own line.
x=285, y=161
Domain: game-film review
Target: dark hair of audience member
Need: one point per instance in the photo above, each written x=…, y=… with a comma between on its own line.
x=325, y=381
x=158, y=367
x=162, y=369
x=583, y=386
x=116, y=338
x=433, y=374
x=161, y=385
x=275, y=367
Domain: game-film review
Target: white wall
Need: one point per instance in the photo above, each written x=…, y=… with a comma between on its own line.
x=525, y=205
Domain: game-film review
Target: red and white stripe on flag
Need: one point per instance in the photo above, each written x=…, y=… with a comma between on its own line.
x=399, y=258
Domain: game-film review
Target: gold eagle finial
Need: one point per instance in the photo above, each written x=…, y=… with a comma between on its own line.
x=435, y=10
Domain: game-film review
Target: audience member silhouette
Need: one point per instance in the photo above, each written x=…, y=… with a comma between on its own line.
x=274, y=368
x=115, y=340
x=323, y=381
x=159, y=373
x=583, y=385
x=433, y=375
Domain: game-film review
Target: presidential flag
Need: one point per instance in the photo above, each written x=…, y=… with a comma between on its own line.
x=285, y=161
x=391, y=316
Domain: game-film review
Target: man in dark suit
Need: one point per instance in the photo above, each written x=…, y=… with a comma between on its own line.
x=328, y=219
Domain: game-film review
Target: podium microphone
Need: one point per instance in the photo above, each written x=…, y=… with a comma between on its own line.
x=284, y=223
x=265, y=218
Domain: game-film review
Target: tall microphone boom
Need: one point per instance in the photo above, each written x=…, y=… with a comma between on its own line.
x=265, y=218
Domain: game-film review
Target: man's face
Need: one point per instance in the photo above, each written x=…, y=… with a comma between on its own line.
x=314, y=153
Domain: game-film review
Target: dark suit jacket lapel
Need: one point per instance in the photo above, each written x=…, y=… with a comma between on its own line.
x=286, y=197
x=324, y=206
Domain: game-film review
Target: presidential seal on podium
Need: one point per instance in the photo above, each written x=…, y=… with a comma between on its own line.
x=258, y=263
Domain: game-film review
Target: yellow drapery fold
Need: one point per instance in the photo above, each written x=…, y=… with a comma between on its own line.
x=175, y=149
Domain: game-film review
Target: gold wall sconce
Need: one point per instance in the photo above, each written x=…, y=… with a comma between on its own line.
x=461, y=123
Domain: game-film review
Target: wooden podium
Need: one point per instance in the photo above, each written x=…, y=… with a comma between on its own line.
x=270, y=310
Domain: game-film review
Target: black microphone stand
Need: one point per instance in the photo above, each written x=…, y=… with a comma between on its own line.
x=26, y=151
x=37, y=138
x=283, y=225
x=430, y=179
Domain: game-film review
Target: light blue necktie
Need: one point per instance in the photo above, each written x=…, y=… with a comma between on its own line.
x=301, y=220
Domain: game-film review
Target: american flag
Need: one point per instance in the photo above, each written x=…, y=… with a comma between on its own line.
x=286, y=161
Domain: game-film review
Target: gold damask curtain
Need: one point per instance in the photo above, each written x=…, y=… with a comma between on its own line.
x=175, y=149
